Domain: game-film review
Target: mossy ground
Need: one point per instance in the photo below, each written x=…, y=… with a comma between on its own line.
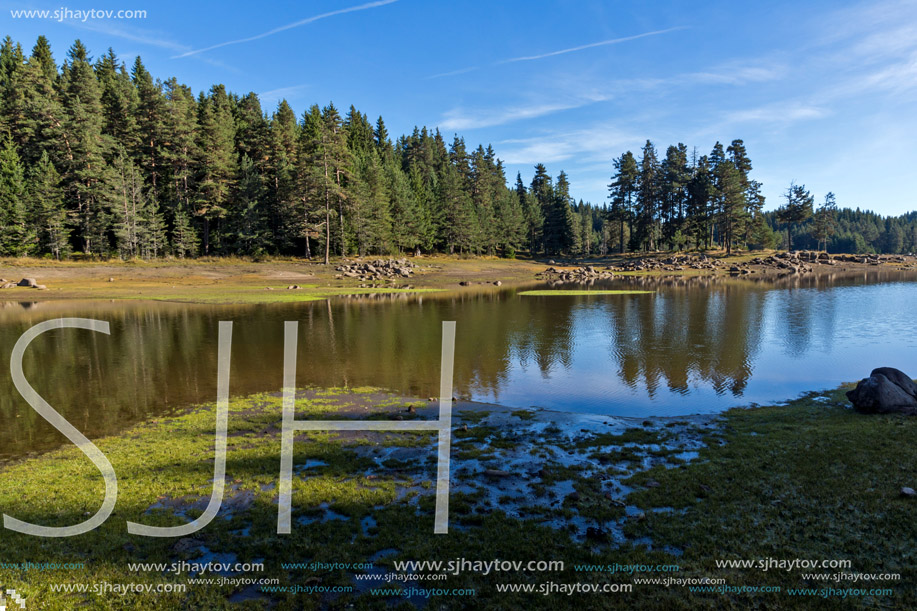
x=810, y=479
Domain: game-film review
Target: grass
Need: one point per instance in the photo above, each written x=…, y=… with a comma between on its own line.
x=560, y=293
x=810, y=480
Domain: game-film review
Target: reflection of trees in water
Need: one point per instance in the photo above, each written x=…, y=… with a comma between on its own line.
x=682, y=336
x=98, y=382
x=693, y=331
x=398, y=345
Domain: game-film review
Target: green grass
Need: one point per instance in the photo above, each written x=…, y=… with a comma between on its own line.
x=811, y=479
x=550, y=293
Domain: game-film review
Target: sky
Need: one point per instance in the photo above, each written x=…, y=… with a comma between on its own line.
x=823, y=93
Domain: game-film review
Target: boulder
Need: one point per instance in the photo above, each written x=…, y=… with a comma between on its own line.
x=30, y=282
x=898, y=378
x=885, y=391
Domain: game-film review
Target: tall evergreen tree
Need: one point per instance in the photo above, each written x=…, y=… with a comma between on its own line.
x=46, y=203
x=623, y=193
x=16, y=236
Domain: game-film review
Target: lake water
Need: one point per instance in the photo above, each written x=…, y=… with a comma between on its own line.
x=696, y=345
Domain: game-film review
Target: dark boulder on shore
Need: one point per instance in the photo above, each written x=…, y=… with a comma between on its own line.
x=885, y=391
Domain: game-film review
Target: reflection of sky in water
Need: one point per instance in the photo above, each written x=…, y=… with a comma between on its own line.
x=798, y=340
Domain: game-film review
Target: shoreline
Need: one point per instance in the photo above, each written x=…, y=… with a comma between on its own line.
x=237, y=281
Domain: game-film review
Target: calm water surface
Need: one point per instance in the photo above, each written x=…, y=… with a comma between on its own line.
x=694, y=346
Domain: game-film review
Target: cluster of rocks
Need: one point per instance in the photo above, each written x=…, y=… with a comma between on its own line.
x=25, y=282
x=580, y=274
x=887, y=390
x=675, y=263
x=378, y=269
x=792, y=262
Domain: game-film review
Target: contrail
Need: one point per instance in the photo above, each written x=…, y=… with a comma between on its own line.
x=289, y=26
x=602, y=43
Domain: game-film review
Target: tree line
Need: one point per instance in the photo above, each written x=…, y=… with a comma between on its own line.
x=688, y=201
x=100, y=160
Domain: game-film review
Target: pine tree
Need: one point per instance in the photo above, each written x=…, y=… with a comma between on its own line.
x=152, y=110
x=542, y=189
x=459, y=219
x=248, y=230
x=128, y=206
x=87, y=175
x=567, y=227
x=118, y=100
x=648, y=199
x=826, y=224
x=511, y=222
x=180, y=147
x=623, y=193
x=184, y=239
x=531, y=213
x=368, y=203
x=675, y=176
x=285, y=224
x=46, y=203
x=798, y=208
x=16, y=236
x=216, y=161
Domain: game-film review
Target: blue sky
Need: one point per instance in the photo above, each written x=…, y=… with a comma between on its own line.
x=823, y=93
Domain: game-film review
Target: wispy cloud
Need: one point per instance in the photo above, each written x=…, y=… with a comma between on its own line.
x=144, y=37
x=592, y=45
x=599, y=143
x=282, y=93
x=289, y=26
x=454, y=72
x=784, y=112
x=601, y=43
x=458, y=118
x=737, y=75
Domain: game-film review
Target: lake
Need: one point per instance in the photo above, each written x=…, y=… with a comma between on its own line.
x=696, y=345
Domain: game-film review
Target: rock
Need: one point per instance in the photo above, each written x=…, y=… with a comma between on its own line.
x=898, y=378
x=879, y=394
x=908, y=492
x=293, y=287
x=111, y=279
x=9, y=285
x=464, y=283
x=497, y=283
x=40, y=287
x=496, y=473
x=30, y=282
